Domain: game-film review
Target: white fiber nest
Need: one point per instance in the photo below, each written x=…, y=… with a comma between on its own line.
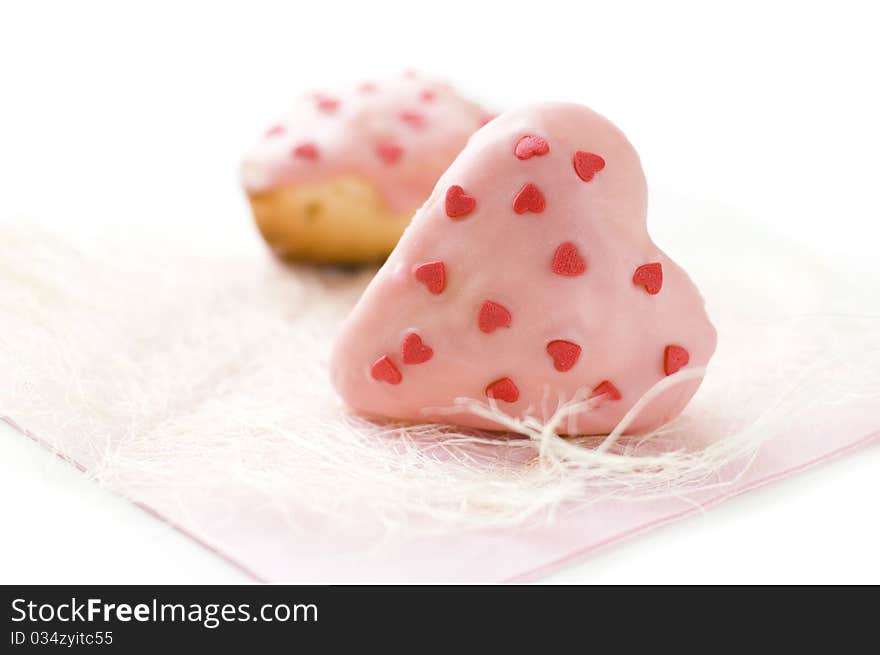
x=152, y=364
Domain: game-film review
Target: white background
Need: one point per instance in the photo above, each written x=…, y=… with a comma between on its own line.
x=123, y=112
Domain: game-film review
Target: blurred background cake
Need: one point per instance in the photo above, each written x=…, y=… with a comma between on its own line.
x=337, y=179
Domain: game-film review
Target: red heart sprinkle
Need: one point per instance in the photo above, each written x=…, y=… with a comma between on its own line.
x=275, y=130
x=389, y=152
x=587, y=164
x=565, y=354
x=427, y=95
x=414, y=351
x=458, y=203
x=503, y=389
x=306, y=151
x=384, y=370
x=530, y=146
x=433, y=276
x=327, y=105
x=649, y=276
x=606, y=388
x=529, y=199
x=675, y=358
x=493, y=316
x=568, y=261
x=413, y=119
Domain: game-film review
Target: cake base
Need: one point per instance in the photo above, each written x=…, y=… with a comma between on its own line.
x=342, y=221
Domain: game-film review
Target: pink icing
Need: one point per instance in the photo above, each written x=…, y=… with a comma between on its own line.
x=534, y=304
x=399, y=133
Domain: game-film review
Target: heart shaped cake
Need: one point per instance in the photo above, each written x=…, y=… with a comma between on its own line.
x=528, y=279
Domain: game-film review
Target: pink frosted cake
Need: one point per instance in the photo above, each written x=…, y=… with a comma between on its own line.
x=528, y=279
x=339, y=177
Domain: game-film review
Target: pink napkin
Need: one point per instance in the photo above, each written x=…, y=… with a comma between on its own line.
x=319, y=551
x=99, y=352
